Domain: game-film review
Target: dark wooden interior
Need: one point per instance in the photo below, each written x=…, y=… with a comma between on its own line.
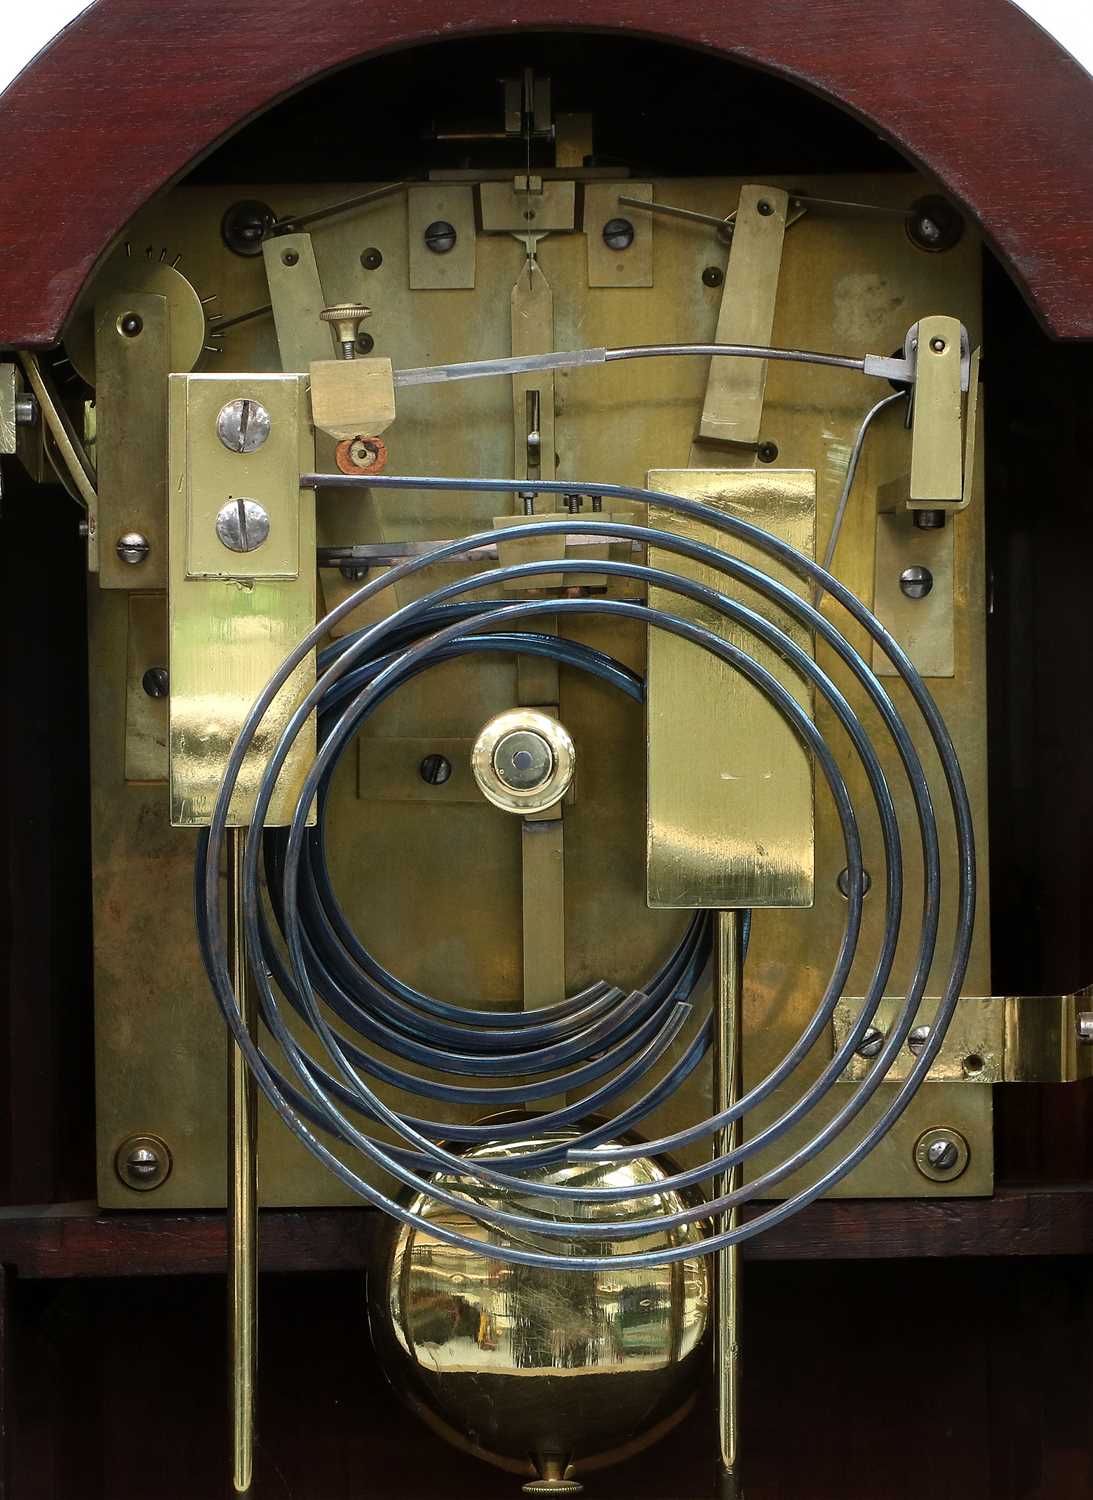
x=893, y=1349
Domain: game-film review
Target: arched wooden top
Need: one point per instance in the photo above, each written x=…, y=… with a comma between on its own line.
x=133, y=91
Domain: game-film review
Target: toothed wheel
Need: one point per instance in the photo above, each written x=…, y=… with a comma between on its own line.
x=150, y=271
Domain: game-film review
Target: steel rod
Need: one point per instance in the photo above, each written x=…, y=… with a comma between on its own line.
x=727, y=1079
x=242, y=1192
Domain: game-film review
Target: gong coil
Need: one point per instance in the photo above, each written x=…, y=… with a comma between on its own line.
x=602, y=1035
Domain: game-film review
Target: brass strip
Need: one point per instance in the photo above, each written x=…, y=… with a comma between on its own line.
x=542, y=850
x=924, y=626
x=297, y=297
x=727, y=1074
x=730, y=803
x=242, y=1193
x=973, y=446
x=937, y=459
x=733, y=408
x=532, y=323
x=145, y=713
x=131, y=435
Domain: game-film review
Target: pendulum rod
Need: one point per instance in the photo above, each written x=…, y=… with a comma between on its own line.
x=727, y=1073
x=242, y=1192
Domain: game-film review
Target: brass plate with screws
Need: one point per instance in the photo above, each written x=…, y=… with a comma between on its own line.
x=844, y=284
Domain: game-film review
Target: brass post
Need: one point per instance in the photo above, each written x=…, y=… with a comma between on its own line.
x=728, y=988
x=242, y=1192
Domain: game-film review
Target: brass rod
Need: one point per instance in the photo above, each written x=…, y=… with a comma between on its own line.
x=242, y=1193
x=728, y=987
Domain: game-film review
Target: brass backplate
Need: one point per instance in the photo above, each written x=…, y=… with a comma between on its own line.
x=421, y=877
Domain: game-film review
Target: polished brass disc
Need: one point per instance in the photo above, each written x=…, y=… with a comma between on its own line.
x=524, y=760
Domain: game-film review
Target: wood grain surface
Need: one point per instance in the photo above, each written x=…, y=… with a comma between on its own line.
x=132, y=93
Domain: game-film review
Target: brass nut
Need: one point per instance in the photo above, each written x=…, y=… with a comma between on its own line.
x=143, y=1162
x=523, y=761
x=941, y=1154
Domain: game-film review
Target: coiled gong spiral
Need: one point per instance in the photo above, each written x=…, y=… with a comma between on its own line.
x=302, y=951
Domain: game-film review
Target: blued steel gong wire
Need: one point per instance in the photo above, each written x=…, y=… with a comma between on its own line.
x=788, y=705
x=788, y=600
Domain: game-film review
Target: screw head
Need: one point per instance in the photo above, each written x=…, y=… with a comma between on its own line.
x=842, y=880
x=156, y=682
x=916, y=582
x=371, y=259
x=365, y=343
x=143, y=1162
x=767, y=452
x=713, y=276
x=245, y=225
x=435, y=770
x=242, y=525
x=131, y=325
x=243, y=425
x=132, y=548
x=440, y=236
x=918, y=1039
x=765, y=208
x=871, y=1042
x=290, y=257
x=938, y=345
x=1085, y=1026
x=618, y=234
x=941, y=1154
x=934, y=224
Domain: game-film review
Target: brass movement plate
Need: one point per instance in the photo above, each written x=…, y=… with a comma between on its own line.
x=407, y=870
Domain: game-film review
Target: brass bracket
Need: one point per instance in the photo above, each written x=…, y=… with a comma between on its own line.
x=944, y=418
x=235, y=614
x=352, y=397
x=733, y=408
x=631, y=266
x=527, y=205
x=923, y=623
x=992, y=1039
x=132, y=362
x=730, y=801
x=296, y=293
x=454, y=268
